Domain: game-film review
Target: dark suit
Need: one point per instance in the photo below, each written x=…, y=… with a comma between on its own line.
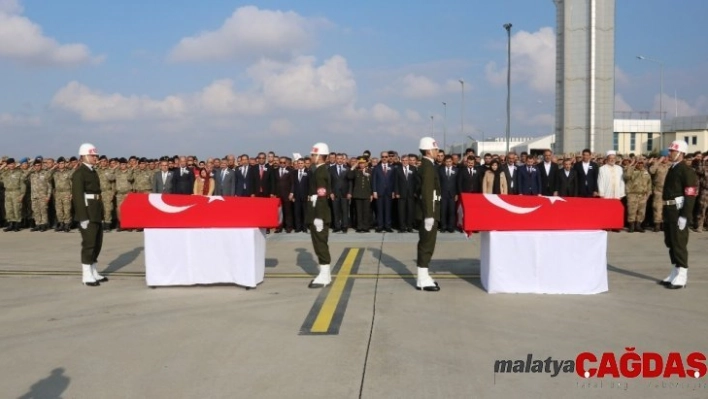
x=261, y=181
x=511, y=181
x=548, y=180
x=448, y=187
x=300, y=184
x=529, y=182
x=361, y=193
x=587, y=183
x=244, y=182
x=469, y=182
x=162, y=188
x=382, y=184
x=341, y=188
x=183, y=181
x=225, y=182
x=282, y=186
x=405, y=187
x=567, y=186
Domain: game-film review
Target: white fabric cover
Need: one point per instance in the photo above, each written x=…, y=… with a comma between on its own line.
x=544, y=262
x=205, y=256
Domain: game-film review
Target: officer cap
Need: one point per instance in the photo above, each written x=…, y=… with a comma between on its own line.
x=143, y=160
x=61, y=159
x=102, y=157
x=73, y=159
x=362, y=159
x=24, y=160
x=113, y=159
x=37, y=162
x=123, y=160
x=10, y=161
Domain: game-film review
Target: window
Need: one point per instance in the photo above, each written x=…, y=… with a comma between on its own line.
x=694, y=140
x=685, y=138
x=633, y=141
x=650, y=141
x=615, y=141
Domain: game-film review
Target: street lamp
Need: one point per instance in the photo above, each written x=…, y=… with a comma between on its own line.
x=462, y=108
x=444, y=124
x=507, y=26
x=661, y=95
x=432, y=125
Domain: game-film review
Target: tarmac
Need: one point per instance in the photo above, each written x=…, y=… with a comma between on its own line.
x=125, y=340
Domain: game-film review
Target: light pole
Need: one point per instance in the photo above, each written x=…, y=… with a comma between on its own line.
x=432, y=125
x=444, y=125
x=462, y=108
x=661, y=96
x=507, y=26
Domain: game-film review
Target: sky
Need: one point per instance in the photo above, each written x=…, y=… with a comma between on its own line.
x=217, y=77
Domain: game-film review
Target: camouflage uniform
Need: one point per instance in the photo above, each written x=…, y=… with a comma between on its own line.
x=658, y=173
x=637, y=187
x=703, y=197
x=142, y=181
x=107, y=177
x=62, y=195
x=124, y=185
x=40, y=192
x=15, y=189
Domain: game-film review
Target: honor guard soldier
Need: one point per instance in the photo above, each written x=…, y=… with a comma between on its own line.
x=430, y=212
x=317, y=213
x=679, y=196
x=88, y=211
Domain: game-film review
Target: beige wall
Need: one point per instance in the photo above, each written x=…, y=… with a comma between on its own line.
x=701, y=137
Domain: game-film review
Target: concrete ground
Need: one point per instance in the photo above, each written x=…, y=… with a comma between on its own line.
x=124, y=340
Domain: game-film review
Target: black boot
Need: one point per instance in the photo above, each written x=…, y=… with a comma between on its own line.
x=17, y=227
x=630, y=229
x=106, y=226
x=43, y=227
x=10, y=227
x=59, y=227
x=67, y=227
x=35, y=228
x=639, y=228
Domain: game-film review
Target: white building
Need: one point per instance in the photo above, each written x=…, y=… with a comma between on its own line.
x=642, y=136
x=497, y=145
x=692, y=129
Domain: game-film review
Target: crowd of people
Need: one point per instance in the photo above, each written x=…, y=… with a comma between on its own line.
x=368, y=192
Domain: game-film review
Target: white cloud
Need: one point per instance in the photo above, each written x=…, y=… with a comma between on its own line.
x=383, y=113
x=250, y=33
x=17, y=120
x=413, y=116
x=673, y=106
x=281, y=127
x=533, y=61
x=94, y=106
x=23, y=40
x=621, y=77
x=621, y=105
x=416, y=87
x=220, y=98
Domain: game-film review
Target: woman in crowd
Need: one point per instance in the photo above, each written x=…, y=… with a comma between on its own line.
x=494, y=180
x=203, y=184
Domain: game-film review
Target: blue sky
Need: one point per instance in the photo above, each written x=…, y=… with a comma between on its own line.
x=217, y=77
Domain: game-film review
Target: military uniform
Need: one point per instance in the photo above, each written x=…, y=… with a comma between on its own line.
x=429, y=207
x=124, y=185
x=15, y=189
x=703, y=197
x=318, y=208
x=637, y=187
x=658, y=172
x=40, y=193
x=107, y=177
x=62, y=198
x=142, y=181
x=361, y=193
x=86, y=199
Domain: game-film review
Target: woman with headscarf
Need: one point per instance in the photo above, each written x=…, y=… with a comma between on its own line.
x=495, y=180
x=203, y=184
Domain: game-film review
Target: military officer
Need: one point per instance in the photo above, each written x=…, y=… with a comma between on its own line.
x=124, y=185
x=429, y=211
x=106, y=174
x=679, y=196
x=317, y=213
x=638, y=187
x=362, y=194
x=15, y=189
x=88, y=210
x=658, y=170
x=62, y=195
x=40, y=193
x=142, y=178
x=703, y=197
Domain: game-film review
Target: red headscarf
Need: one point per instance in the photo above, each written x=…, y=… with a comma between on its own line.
x=207, y=180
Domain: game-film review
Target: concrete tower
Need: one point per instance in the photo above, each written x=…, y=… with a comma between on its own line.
x=585, y=74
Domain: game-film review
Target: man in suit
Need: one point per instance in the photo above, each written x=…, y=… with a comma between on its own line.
x=282, y=186
x=566, y=180
x=341, y=193
x=448, y=186
x=587, y=171
x=243, y=181
x=183, y=178
x=511, y=169
x=404, y=190
x=225, y=181
x=162, y=180
x=260, y=177
x=549, y=172
x=298, y=194
x=529, y=179
x=470, y=177
x=382, y=183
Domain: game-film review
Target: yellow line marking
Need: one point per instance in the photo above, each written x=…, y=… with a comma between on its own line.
x=324, y=318
x=268, y=275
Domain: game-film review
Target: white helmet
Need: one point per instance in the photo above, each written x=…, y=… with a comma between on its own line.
x=320, y=149
x=87, y=149
x=679, y=145
x=428, y=143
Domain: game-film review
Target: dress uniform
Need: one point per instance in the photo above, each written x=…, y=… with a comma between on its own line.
x=679, y=196
x=429, y=212
x=88, y=211
x=318, y=215
x=362, y=194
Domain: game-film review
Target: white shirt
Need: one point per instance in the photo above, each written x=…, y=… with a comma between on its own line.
x=586, y=167
x=548, y=168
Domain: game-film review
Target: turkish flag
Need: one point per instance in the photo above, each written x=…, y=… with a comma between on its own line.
x=490, y=212
x=195, y=211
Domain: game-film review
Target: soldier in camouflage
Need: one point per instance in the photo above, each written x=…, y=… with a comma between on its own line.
x=702, y=200
x=40, y=192
x=124, y=185
x=658, y=170
x=13, y=180
x=62, y=195
x=638, y=187
x=142, y=178
x=106, y=175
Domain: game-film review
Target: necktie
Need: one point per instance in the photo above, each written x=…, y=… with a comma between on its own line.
x=223, y=174
x=448, y=172
x=529, y=169
x=299, y=175
x=164, y=178
x=281, y=172
x=339, y=170
x=260, y=174
x=406, y=172
x=470, y=169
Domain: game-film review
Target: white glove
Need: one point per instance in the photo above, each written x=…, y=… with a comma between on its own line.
x=681, y=223
x=428, y=223
x=679, y=202
x=313, y=199
x=84, y=224
x=319, y=225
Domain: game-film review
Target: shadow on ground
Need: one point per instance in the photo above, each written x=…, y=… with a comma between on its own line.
x=123, y=260
x=51, y=387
